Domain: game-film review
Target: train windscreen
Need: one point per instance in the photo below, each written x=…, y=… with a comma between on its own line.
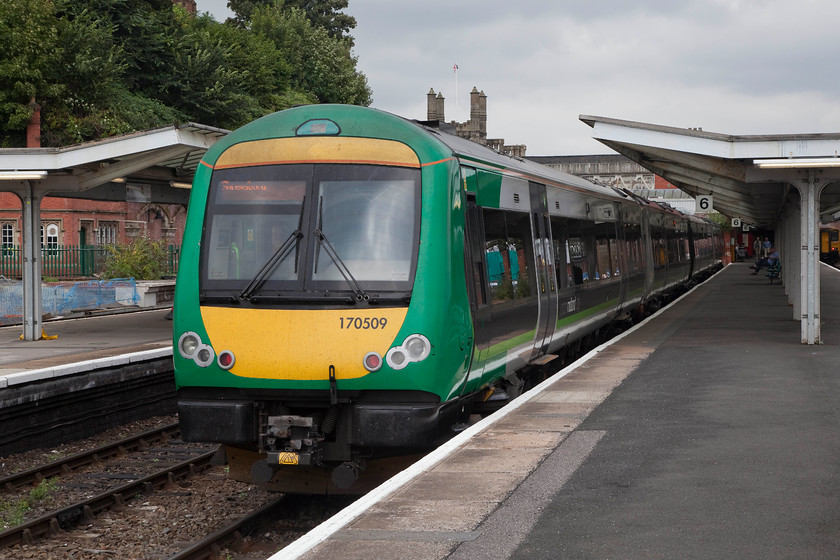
x=310, y=228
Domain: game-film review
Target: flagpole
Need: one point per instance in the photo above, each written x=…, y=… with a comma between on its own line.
x=455, y=71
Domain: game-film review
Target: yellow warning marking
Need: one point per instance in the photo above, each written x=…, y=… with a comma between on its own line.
x=287, y=458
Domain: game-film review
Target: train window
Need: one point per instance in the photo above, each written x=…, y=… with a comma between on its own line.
x=253, y=214
x=468, y=179
x=369, y=217
x=592, y=250
x=632, y=244
x=660, y=254
x=475, y=254
x=509, y=255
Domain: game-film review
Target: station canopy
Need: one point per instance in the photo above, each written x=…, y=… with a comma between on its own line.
x=749, y=177
x=152, y=166
x=160, y=162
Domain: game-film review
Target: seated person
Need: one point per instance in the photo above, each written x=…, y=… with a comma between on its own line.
x=772, y=259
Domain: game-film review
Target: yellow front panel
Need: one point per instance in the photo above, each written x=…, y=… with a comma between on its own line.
x=318, y=149
x=301, y=344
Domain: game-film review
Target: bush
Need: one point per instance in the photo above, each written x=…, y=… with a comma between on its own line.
x=140, y=259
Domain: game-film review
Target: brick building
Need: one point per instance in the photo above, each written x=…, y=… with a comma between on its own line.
x=72, y=221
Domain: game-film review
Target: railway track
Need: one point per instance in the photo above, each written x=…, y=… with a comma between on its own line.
x=83, y=511
x=58, y=467
x=185, y=509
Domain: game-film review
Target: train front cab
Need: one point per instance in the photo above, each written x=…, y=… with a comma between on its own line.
x=318, y=331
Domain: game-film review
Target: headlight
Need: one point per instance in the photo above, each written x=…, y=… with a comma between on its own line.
x=204, y=357
x=191, y=348
x=418, y=347
x=414, y=348
x=188, y=344
x=396, y=358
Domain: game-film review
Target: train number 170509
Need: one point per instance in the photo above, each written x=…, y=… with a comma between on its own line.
x=366, y=323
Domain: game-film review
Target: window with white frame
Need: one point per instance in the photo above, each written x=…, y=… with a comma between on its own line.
x=7, y=235
x=106, y=234
x=49, y=235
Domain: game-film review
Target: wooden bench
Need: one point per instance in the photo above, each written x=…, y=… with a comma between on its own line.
x=774, y=271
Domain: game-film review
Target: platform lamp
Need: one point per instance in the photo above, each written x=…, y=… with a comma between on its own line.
x=22, y=175
x=793, y=163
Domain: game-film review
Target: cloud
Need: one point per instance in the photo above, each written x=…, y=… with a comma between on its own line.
x=729, y=66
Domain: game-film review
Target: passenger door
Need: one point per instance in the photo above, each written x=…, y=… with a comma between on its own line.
x=546, y=275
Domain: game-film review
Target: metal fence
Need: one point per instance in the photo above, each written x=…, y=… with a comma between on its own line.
x=69, y=261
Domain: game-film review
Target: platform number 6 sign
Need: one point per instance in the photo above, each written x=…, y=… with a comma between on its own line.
x=704, y=203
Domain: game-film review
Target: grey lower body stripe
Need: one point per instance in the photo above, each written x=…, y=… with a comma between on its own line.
x=501, y=533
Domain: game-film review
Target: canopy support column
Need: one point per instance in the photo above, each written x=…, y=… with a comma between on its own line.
x=32, y=327
x=810, y=260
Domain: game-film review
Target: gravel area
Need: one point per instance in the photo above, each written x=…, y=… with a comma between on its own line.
x=158, y=526
x=28, y=459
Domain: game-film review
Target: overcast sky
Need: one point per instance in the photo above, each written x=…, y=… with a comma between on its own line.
x=727, y=66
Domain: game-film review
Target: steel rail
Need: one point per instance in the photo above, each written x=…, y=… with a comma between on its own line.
x=84, y=511
x=210, y=546
x=63, y=466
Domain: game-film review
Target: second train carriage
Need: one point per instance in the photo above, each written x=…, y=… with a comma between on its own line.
x=353, y=285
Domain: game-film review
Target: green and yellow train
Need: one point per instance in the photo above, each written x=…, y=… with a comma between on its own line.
x=354, y=285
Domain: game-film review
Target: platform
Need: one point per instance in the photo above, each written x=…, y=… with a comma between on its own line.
x=85, y=338
x=705, y=432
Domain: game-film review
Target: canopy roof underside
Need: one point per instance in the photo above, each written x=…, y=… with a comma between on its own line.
x=728, y=167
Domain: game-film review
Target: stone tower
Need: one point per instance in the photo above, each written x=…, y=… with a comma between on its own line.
x=474, y=129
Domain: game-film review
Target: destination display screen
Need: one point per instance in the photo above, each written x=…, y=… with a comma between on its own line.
x=256, y=192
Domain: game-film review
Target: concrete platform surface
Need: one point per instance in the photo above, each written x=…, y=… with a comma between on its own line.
x=708, y=432
x=84, y=339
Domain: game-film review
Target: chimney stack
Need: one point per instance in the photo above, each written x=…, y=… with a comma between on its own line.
x=482, y=114
x=33, y=129
x=431, y=106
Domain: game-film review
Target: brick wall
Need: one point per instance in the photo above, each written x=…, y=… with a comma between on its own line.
x=102, y=222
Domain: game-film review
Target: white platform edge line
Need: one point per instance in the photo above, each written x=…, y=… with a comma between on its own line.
x=332, y=525
x=24, y=377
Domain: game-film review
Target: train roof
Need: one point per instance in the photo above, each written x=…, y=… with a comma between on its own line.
x=472, y=150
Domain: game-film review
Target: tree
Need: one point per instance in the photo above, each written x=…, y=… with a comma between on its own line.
x=321, y=65
x=140, y=259
x=326, y=14
x=104, y=67
x=28, y=51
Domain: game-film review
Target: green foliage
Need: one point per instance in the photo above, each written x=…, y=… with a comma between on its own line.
x=43, y=490
x=325, y=14
x=14, y=513
x=523, y=288
x=99, y=68
x=140, y=259
x=28, y=53
x=321, y=64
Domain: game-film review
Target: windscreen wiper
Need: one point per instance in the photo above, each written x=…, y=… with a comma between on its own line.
x=279, y=255
x=339, y=264
x=272, y=263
